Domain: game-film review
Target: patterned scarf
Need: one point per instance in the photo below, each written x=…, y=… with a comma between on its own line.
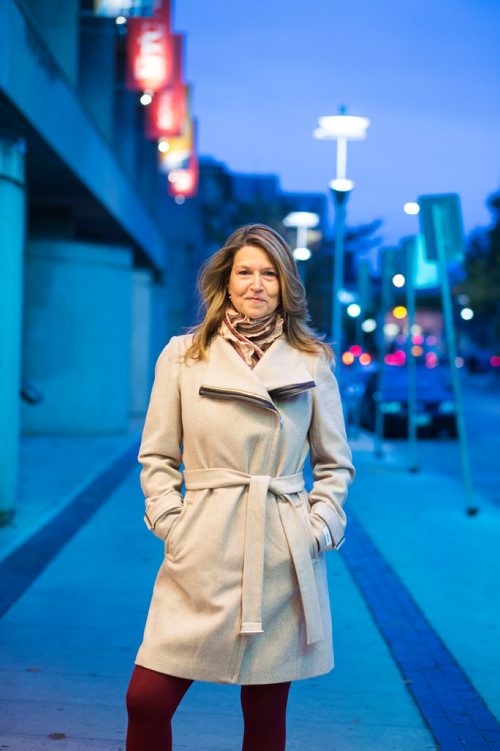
x=250, y=336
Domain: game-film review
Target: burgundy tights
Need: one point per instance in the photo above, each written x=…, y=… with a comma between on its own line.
x=152, y=699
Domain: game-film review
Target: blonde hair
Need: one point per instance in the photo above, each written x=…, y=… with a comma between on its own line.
x=213, y=280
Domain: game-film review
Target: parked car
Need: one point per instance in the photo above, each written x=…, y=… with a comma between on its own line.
x=352, y=386
x=435, y=404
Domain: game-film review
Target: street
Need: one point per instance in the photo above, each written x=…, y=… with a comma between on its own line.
x=481, y=399
x=482, y=420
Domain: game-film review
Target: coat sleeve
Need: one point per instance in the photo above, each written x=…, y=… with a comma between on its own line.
x=330, y=460
x=160, y=450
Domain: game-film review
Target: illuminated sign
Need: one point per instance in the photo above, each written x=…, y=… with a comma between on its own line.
x=150, y=58
x=167, y=113
x=184, y=182
x=179, y=149
x=132, y=8
x=127, y=8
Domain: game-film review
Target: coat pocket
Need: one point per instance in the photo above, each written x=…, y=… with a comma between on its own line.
x=303, y=508
x=170, y=538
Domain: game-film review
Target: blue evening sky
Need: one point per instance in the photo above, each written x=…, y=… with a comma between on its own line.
x=425, y=72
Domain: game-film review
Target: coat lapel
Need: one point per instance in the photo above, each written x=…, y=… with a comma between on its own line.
x=281, y=372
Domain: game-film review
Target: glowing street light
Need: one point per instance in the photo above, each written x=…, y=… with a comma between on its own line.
x=146, y=98
x=400, y=312
x=398, y=280
x=301, y=221
x=369, y=325
x=341, y=128
x=467, y=314
x=302, y=254
x=411, y=208
x=353, y=310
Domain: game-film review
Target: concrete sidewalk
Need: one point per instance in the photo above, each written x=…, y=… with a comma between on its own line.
x=447, y=560
x=69, y=641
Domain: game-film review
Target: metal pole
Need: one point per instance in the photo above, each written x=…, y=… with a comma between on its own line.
x=341, y=157
x=339, y=198
x=385, y=301
x=12, y=227
x=301, y=237
x=363, y=296
x=449, y=329
x=411, y=360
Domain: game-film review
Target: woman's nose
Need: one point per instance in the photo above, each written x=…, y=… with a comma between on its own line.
x=257, y=282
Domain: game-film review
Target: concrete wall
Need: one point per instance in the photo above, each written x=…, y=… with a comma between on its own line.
x=161, y=330
x=77, y=333
x=142, y=312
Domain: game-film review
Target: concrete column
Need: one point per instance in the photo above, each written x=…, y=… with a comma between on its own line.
x=12, y=231
x=142, y=315
x=77, y=332
x=161, y=329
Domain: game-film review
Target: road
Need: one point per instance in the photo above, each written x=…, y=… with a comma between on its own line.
x=481, y=396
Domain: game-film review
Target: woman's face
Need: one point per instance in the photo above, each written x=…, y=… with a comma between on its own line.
x=254, y=285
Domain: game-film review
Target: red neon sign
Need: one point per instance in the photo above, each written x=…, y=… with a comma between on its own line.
x=184, y=182
x=150, y=54
x=166, y=114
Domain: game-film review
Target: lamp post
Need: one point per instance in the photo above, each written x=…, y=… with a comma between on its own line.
x=341, y=128
x=301, y=221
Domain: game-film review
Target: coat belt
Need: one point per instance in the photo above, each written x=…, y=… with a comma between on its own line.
x=253, y=561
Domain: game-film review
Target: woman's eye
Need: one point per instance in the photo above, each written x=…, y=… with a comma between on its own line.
x=270, y=273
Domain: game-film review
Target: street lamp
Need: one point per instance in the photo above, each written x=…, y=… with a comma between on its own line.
x=411, y=208
x=301, y=221
x=341, y=128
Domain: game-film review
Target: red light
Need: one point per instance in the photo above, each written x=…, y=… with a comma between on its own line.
x=417, y=339
x=495, y=361
x=365, y=358
x=431, y=360
x=397, y=358
x=356, y=350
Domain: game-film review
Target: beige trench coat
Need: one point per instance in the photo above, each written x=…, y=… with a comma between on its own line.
x=241, y=596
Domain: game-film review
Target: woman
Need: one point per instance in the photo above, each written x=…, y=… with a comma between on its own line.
x=241, y=596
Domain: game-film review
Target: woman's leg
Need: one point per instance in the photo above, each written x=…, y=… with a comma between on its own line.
x=152, y=699
x=264, y=714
